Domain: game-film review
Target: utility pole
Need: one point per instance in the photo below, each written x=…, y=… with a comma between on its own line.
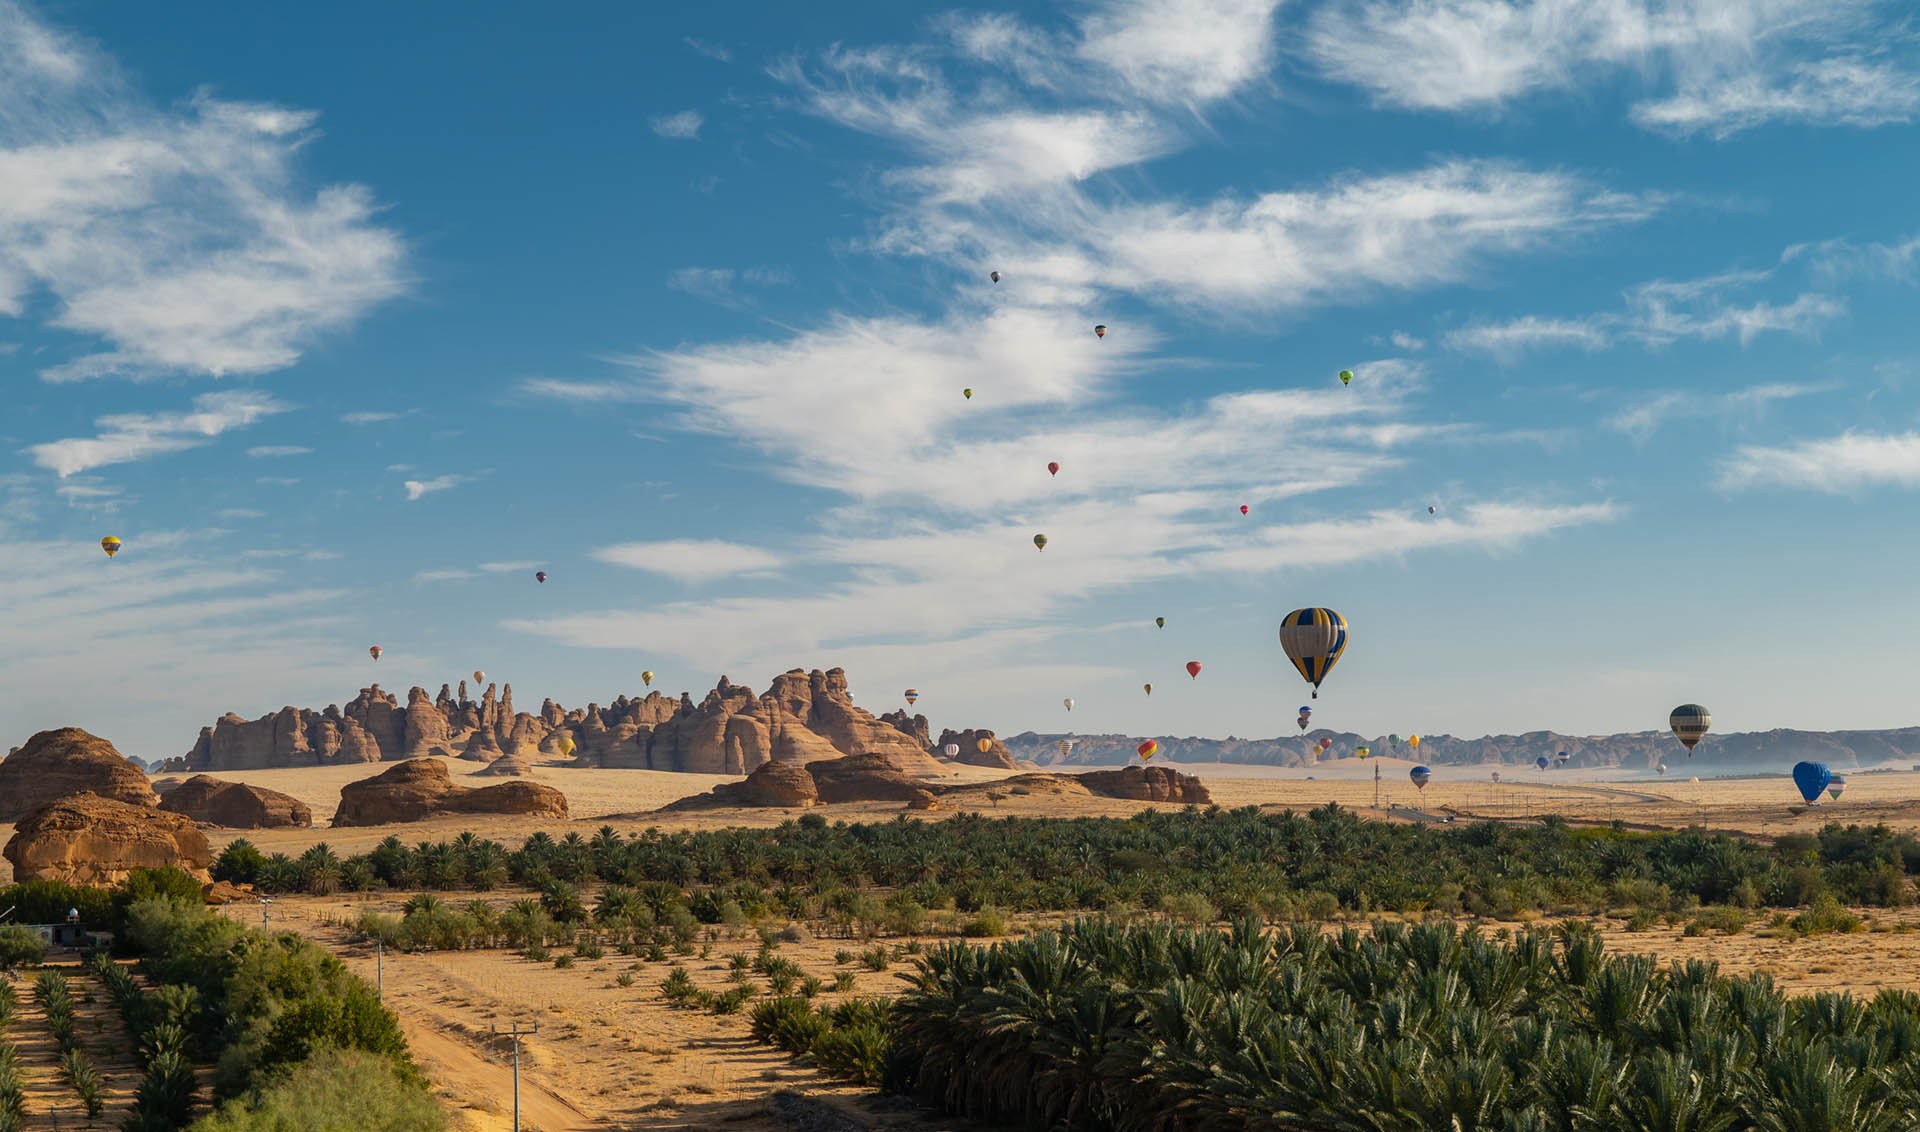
x=263, y=912
x=515, y=1034
x=379, y=969
x=1376, y=786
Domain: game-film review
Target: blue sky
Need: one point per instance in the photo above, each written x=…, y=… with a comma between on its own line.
x=349, y=320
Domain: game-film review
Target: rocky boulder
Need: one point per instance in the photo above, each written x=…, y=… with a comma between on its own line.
x=54, y=764
x=482, y=748
x=84, y=839
x=509, y=766
x=780, y=784
x=422, y=788
x=1146, y=784
x=236, y=805
x=863, y=778
x=995, y=756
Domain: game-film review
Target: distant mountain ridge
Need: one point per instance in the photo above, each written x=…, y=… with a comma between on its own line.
x=1635, y=750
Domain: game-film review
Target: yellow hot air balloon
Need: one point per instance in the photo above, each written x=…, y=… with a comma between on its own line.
x=564, y=746
x=1040, y=541
x=1363, y=752
x=111, y=545
x=983, y=745
x=1346, y=377
x=647, y=678
x=967, y=393
x=1413, y=741
x=1313, y=638
x=1149, y=688
x=1147, y=750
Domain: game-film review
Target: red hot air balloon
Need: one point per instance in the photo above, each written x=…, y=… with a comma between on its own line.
x=1193, y=669
x=1053, y=468
x=1325, y=742
x=1243, y=508
x=374, y=652
x=1147, y=749
x=540, y=575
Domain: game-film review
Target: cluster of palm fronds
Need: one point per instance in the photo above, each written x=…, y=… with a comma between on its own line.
x=1277, y=865
x=55, y=996
x=852, y=1039
x=1397, y=1029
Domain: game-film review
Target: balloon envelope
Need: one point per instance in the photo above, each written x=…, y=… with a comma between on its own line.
x=1496, y=776
x=1160, y=621
x=1835, y=787
x=983, y=745
x=1069, y=704
x=374, y=652
x=1243, y=508
x=1363, y=752
x=1811, y=778
x=1325, y=742
x=1346, y=377
x=565, y=745
x=1149, y=688
x=1420, y=775
x=1193, y=669
x=1690, y=723
x=1313, y=639
x=539, y=575
x=912, y=694
x=1147, y=749
x=967, y=393
x=1066, y=747
x=111, y=545
x=1413, y=741
x=1562, y=757
x=1541, y=762
x=994, y=275
x=1053, y=468
x=950, y=750
x=1100, y=332
x=479, y=677
x=647, y=678
x=1393, y=741
x=1040, y=541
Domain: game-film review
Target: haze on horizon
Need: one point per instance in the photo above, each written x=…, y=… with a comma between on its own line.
x=349, y=319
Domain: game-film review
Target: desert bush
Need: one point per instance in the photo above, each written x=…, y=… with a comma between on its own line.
x=332, y=1091
x=20, y=946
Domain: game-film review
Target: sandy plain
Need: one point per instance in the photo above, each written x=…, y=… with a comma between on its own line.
x=613, y=1056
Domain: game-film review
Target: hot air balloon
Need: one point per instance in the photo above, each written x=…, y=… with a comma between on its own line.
x=1313, y=639
x=912, y=694
x=951, y=750
x=1420, y=775
x=1325, y=742
x=1040, y=542
x=1100, y=332
x=1562, y=758
x=647, y=678
x=479, y=677
x=1393, y=741
x=1836, y=786
x=1147, y=749
x=564, y=746
x=1066, y=747
x=1346, y=377
x=983, y=745
x=1149, y=688
x=1431, y=511
x=1413, y=741
x=1811, y=778
x=1693, y=781
x=994, y=275
x=1496, y=776
x=1193, y=669
x=1690, y=723
x=540, y=576
x=1053, y=467
x=374, y=652
x=967, y=393
x=1363, y=752
x=1662, y=768
x=1305, y=714
x=111, y=545
x=1069, y=704
x=1243, y=508
x=1160, y=621
x=1541, y=762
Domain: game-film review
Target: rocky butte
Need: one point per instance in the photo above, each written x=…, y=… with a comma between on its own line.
x=802, y=717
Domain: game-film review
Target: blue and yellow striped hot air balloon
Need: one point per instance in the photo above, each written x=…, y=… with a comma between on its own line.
x=912, y=695
x=1313, y=639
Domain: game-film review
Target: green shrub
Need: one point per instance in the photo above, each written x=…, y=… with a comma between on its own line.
x=874, y=958
x=1825, y=916
x=20, y=946
x=333, y=1091
x=989, y=924
x=789, y=1023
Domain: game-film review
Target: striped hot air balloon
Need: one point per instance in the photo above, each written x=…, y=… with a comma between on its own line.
x=1690, y=723
x=1147, y=750
x=1313, y=639
x=912, y=694
x=1420, y=776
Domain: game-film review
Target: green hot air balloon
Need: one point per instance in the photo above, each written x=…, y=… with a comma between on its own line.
x=1346, y=377
x=1040, y=541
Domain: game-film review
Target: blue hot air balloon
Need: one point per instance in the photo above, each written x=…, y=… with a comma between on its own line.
x=1420, y=775
x=1306, y=713
x=1562, y=757
x=1811, y=778
x=1541, y=762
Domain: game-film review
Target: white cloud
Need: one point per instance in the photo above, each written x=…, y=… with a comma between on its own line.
x=179, y=236
x=689, y=560
x=1847, y=462
x=715, y=51
x=126, y=437
x=1182, y=51
x=276, y=481
x=1843, y=259
x=367, y=418
x=582, y=391
x=1721, y=67
x=1644, y=419
x=443, y=575
x=271, y=450
x=418, y=488
x=1403, y=341
x=685, y=125
x=1509, y=340
x=240, y=513
x=506, y=567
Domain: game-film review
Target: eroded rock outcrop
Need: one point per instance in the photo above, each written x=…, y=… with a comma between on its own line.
x=509, y=766
x=85, y=839
x=422, y=788
x=802, y=717
x=1147, y=784
x=995, y=756
x=236, y=805
x=54, y=764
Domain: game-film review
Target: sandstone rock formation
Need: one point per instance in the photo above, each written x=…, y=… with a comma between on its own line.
x=236, y=805
x=802, y=717
x=780, y=784
x=422, y=788
x=85, y=839
x=1146, y=784
x=509, y=766
x=923, y=800
x=995, y=756
x=66, y=761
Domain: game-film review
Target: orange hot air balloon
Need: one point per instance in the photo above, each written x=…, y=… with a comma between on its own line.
x=1100, y=332
x=1053, y=468
x=983, y=745
x=1147, y=750
x=1193, y=669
